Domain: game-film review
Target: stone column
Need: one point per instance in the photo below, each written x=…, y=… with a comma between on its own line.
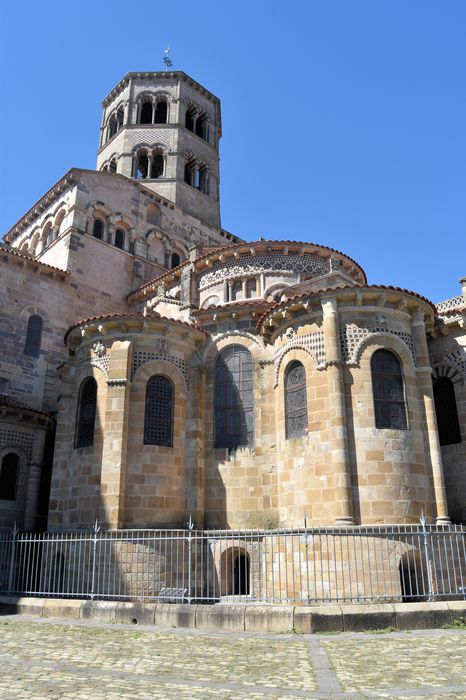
x=225, y=290
x=33, y=480
x=195, y=447
x=426, y=392
x=150, y=161
x=116, y=435
x=244, y=289
x=337, y=415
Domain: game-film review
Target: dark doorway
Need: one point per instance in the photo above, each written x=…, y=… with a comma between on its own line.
x=241, y=574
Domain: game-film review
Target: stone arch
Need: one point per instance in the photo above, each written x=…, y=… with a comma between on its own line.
x=35, y=310
x=383, y=341
x=445, y=369
x=298, y=352
x=157, y=246
x=274, y=289
x=213, y=300
x=85, y=370
x=160, y=366
x=97, y=210
x=233, y=337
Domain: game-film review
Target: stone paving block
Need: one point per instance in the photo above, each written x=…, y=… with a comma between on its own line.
x=101, y=610
x=60, y=607
x=175, y=615
x=411, y=616
x=223, y=617
x=457, y=609
x=268, y=618
x=368, y=617
x=30, y=606
x=318, y=618
x=135, y=613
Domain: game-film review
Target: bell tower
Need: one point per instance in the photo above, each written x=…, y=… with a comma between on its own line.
x=163, y=129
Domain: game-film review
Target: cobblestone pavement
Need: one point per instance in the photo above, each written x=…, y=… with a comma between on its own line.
x=44, y=659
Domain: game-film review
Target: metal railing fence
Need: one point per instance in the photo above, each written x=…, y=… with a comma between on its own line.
x=300, y=566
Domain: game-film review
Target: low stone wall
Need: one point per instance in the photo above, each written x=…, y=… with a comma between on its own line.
x=248, y=618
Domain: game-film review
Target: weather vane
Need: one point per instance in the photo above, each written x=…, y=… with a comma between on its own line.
x=166, y=58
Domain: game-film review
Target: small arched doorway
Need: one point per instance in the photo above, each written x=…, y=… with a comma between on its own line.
x=241, y=574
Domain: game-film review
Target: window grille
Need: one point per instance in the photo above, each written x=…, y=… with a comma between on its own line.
x=33, y=336
x=296, y=422
x=86, y=413
x=388, y=391
x=158, y=416
x=9, y=477
x=447, y=412
x=234, y=398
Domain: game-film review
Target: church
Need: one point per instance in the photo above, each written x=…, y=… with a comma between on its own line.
x=156, y=367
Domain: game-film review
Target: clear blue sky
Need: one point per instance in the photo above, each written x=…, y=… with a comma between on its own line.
x=344, y=121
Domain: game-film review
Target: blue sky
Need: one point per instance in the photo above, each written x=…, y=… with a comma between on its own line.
x=344, y=121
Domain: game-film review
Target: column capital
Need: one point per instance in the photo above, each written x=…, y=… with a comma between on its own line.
x=329, y=306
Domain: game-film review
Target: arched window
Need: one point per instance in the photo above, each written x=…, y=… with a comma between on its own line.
x=234, y=398
x=112, y=126
x=119, y=239
x=295, y=400
x=9, y=477
x=204, y=181
x=202, y=127
x=120, y=117
x=447, y=412
x=160, y=116
x=146, y=113
x=189, y=121
x=141, y=166
x=158, y=416
x=157, y=166
x=33, y=336
x=112, y=168
x=251, y=289
x=388, y=391
x=236, y=291
x=190, y=173
x=85, y=419
x=175, y=260
x=98, y=229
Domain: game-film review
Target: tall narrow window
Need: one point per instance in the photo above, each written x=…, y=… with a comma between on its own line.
x=119, y=238
x=157, y=166
x=112, y=168
x=295, y=400
x=85, y=418
x=120, y=117
x=234, y=398
x=388, y=391
x=146, y=113
x=33, y=336
x=98, y=229
x=158, y=416
x=189, y=121
x=160, y=116
x=447, y=412
x=9, y=477
x=175, y=260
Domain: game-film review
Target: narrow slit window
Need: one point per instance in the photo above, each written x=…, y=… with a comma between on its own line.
x=33, y=336
x=85, y=420
x=119, y=239
x=98, y=229
x=9, y=477
x=158, y=415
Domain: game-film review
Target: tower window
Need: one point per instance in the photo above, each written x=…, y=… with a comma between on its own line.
x=112, y=166
x=388, y=391
x=203, y=184
x=158, y=416
x=33, y=336
x=189, y=121
x=120, y=118
x=9, y=477
x=146, y=113
x=157, y=167
x=175, y=260
x=234, y=398
x=190, y=173
x=160, y=116
x=142, y=166
x=98, y=229
x=446, y=411
x=119, y=239
x=295, y=400
x=87, y=403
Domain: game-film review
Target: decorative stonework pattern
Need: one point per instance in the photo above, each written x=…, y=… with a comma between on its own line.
x=191, y=96
x=457, y=358
x=165, y=89
x=255, y=264
x=140, y=358
x=102, y=363
x=313, y=343
x=190, y=234
x=16, y=438
x=452, y=303
x=150, y=136
x=197, y=148
x=351, y=337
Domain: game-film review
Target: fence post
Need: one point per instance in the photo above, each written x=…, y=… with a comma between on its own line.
x=427, y=548
x=190, y=549
x=307, y=559
x=11, y=572
x=94, y=552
